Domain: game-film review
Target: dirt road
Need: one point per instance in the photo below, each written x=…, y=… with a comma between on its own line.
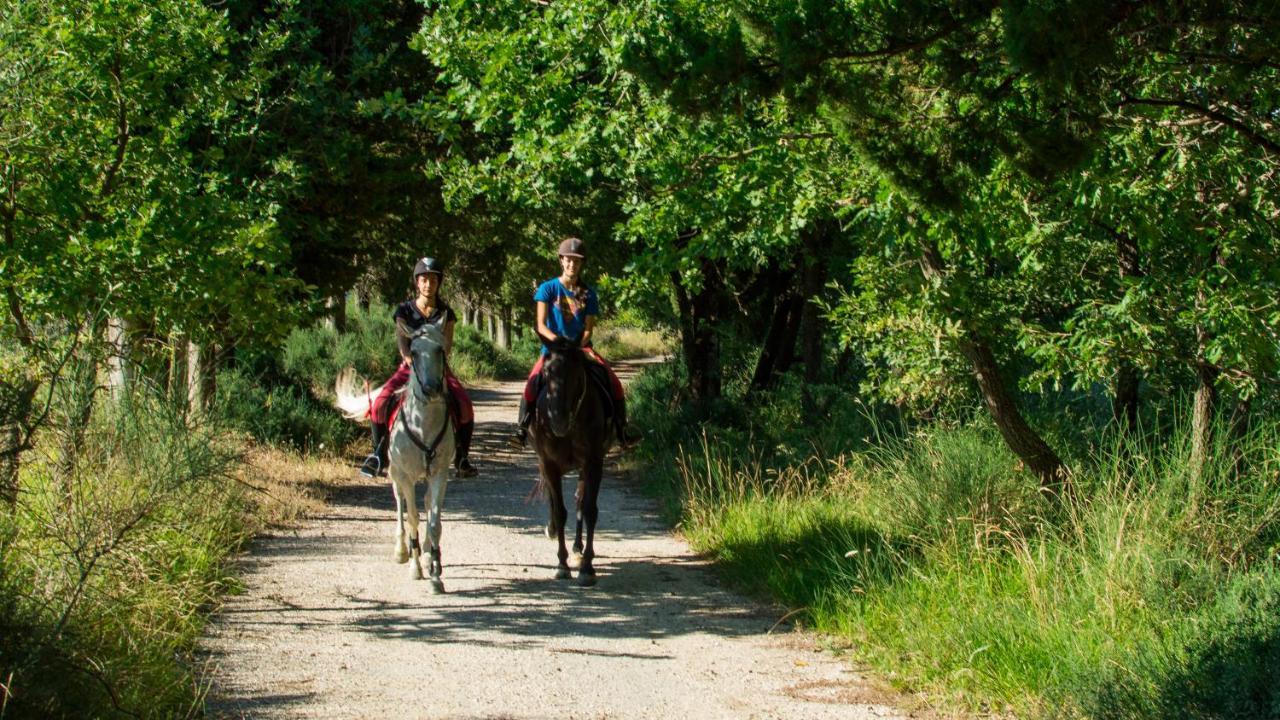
x=331, y=627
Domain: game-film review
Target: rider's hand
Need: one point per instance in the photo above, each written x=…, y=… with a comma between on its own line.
x=407, y=360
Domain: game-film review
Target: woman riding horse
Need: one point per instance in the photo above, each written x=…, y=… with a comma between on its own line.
x=567, y=310
x=426, y=309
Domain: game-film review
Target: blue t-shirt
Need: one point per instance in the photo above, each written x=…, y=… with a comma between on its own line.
x=567, y=314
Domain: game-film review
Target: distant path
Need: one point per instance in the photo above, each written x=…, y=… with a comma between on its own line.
x=331, y=627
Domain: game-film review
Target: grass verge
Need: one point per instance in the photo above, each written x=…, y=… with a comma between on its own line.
x=113, y=558
x=932, y=554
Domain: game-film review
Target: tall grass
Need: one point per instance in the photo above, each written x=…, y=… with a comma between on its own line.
x=110, y=566
x=107, y=565
x=938, y=559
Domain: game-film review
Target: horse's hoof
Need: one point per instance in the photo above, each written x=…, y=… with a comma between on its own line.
x=437, y=587
x=577, y=559
x=586, y=579
x=562, y=573
x=417, y=573
x=401, y=556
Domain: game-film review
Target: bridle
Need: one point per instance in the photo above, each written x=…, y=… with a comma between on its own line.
x=428, y=451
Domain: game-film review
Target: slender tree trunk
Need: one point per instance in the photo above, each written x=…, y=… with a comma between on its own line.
x=1021, y=438
x=1205, y=405
x=336, y=313
x=118, y=356
x=491, y=328
x=504, y=328
x=1124, y=405
x=773, y=349
x=699, y=336
x=177, y=384
x=790, y=331
x=202, y=377
x=817, y=247
x=1203, y=409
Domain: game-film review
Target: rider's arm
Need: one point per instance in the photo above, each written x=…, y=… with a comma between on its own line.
x=543, y=331
x=402, y=339
x=588, y=325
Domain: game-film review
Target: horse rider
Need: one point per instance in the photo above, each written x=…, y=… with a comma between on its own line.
x=567, y=308
x=426, y=309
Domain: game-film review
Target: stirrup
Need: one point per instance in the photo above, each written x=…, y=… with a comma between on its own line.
x=518, y=440
x=372, y=466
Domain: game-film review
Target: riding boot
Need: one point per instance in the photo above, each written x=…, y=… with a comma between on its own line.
x=376, y=464
x=620, y=423
x=462, y=448
x=521, y=437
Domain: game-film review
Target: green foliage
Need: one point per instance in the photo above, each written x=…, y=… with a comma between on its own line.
x=475, y=357
x=924, y=547
x=104, y=568
x=281, y=414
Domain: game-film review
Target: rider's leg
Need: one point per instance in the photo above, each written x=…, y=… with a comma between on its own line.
x=527, y=399
x=376, y=464
x=619, y=399
x=461, y=460
x=379, y=417
x=465, y=416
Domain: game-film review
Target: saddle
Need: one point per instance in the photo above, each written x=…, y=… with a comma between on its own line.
x=598, y=377
x=455, y=410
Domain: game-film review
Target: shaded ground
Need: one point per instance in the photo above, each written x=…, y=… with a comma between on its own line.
x=330, y=626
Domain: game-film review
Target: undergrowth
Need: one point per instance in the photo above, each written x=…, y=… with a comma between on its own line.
x=933, y=553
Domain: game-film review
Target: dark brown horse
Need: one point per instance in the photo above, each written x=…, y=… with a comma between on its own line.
x=570, y=432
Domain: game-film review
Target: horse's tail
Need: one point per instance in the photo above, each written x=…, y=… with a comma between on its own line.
x=354, y=402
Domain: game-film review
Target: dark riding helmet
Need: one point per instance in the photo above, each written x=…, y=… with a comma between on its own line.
x=428, y=265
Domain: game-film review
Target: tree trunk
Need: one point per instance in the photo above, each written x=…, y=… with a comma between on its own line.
x=1021, y=438
x=118, y=356
x=699, y=336
x=1202, y=411
x=772, y=348
x=1204, y=407
x=790, y=331
x=336, y=313
x=17, y=398
x=1124, y=406
x=202, y=377
x=504, y=328
x=490, y=327
x=817, y=248
x=177, y=380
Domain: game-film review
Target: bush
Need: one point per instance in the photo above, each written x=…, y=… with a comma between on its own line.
x=935, y=554
x=105, y=565
x=281, y=414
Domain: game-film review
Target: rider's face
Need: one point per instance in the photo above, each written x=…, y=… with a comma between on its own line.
x=428, y=284
x=571, y=265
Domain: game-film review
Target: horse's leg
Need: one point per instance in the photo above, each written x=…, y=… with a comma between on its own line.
x=551, y=475
x=434, y=499
x=411, y=507
x=592, y=469
x=401, y=551
x=577, y=533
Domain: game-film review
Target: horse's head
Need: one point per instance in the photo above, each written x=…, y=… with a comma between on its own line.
x=566, y=378
x=426, y=349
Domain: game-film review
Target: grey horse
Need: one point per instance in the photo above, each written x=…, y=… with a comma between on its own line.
x=421, y=447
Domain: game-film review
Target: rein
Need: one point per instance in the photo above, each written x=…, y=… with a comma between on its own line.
x=428, y=450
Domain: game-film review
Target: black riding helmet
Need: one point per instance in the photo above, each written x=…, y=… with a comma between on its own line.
x=428, y=265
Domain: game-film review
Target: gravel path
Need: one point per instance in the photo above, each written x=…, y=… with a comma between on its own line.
x=329, y=626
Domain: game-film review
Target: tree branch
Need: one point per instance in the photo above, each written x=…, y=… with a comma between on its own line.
x=1212, y=114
